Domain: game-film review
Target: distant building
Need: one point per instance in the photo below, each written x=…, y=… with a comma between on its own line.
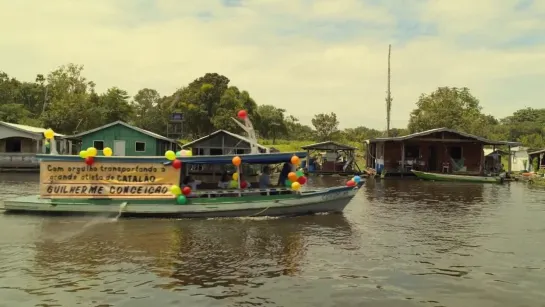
x=19, y=145
x=222, y=142
x=124, y=140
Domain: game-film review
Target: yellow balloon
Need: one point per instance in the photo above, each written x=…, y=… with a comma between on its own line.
x=175, y=190
x=107, y=151
x=91, y=152
x=170, y=155
x=83, y=154
x=296, y=186
x=235, y=176
x=49, y=134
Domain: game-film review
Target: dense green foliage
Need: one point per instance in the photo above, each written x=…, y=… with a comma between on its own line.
x=67, y=102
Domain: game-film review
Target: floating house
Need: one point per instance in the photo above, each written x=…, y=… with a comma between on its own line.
x=123, y=139
x=539, y=156
x=19, y=145
x=439, y=150
x=329, y=158
x=221, y=142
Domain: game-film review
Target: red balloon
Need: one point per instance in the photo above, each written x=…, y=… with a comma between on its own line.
x=242, y=114
x=177, y=164
x=186, y=191
x=350, y=183
x=243, y=185
x=302, y=180
x=89, y=161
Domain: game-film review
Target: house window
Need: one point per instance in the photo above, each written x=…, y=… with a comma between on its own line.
x=13, y=145
x=139, y=146
x=216, y=151
x=412, y=152
x=455, y=152
x=99, y=145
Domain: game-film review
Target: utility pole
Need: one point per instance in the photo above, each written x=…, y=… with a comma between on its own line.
x=388, y=96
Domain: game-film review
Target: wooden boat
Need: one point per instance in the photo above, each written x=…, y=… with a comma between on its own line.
x=140, y=186
x=459, y=178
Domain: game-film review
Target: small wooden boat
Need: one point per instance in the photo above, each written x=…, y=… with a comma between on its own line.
x=459, y=178
x=141, y=186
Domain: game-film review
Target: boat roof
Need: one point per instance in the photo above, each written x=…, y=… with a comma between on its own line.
x=328, y=145
x=265, y=158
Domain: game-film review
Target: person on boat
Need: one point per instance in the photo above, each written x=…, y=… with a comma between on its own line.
x=286, y=169
x=190, y=182
x=224, y=181
x=265, y=178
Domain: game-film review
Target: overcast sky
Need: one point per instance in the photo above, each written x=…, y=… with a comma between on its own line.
x=302, y=55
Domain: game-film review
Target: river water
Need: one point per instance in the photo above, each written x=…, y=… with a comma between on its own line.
x=399, y=243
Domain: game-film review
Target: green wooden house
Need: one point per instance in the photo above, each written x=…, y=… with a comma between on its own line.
x=125, y=140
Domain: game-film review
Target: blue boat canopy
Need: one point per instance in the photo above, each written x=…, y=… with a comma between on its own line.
x=266, y=158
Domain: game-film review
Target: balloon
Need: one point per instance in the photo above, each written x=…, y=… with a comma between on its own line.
x=350, y=183
x=49, y=134
x=186, y=191
x=296, y=186
x=185, y=153
x=292, y=177
x=236, y=161
x=175, y=190
x=170, y=155
x=91, y=152
x=179, y=153
x=357, y=179
x=177, y=164
x=235, y=177
x=299, y=173
x=295, y=160
x=83, y=154
x=287, y=182
x=89, y=161
x=302, y=180
x=47, y=144
x=181, y=200
x=244, y=185
x=242, y=114
x=107, y=151
x=233, y=184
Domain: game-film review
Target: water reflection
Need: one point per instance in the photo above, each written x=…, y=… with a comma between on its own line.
x=424, y=192
x=205, y=253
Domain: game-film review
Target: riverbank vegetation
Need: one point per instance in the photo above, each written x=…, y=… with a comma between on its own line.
x=67, y=102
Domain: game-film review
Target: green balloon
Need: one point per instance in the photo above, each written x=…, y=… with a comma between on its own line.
x=299, y=173
x=181, y=200
x=178, y=154
x=288, y=183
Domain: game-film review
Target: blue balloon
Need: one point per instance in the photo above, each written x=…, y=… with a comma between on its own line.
x=356, y=179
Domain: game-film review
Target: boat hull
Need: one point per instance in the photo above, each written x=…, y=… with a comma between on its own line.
x=456, y=178
x=328, y=200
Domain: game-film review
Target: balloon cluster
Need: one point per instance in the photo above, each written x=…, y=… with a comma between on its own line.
x=354, y=181
x=49, y=135
x=296, y=179
x=171, y=156
x=180, y=194
x=234, y=183
x=91, y=152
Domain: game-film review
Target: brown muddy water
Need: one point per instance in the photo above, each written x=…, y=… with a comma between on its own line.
x=399, y=243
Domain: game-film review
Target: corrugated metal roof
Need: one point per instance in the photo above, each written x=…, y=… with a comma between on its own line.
x=152, y=134
x=323, y=146
x=436, y=130
x=240, y=137
x=28, y=129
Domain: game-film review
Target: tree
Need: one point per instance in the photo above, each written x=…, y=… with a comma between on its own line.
x=269, y=122
x=326, y=125
x=114, y=105
x=453, y=108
